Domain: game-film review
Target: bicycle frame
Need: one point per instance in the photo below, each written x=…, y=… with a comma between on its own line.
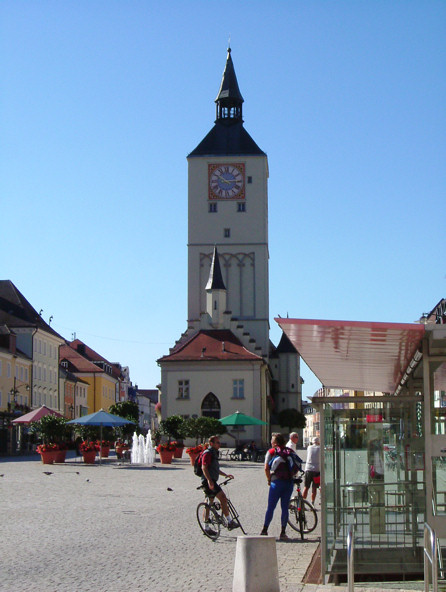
x=213, y=514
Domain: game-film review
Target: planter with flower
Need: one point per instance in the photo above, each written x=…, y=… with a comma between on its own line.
x=52, y=430
x=48, y=453
x=179, y=447
x=194, y=451
x=60, y=452
x=166, y=452
x=173, y=428
x=105, y=448
x=88, y=451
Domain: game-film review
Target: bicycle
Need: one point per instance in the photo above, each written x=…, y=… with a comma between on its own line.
x=212, y=508
x=302, y=515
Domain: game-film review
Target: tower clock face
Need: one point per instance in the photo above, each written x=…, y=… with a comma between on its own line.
x=226, y=181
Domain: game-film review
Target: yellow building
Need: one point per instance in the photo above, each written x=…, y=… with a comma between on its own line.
x=100, y=376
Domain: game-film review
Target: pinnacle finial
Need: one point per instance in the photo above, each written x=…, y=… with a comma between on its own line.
x=229, y=43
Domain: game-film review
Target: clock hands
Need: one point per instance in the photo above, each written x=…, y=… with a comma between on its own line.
x=227, y=181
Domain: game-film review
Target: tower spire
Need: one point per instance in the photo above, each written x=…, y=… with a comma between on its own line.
x=215, y=281
x=229, y=99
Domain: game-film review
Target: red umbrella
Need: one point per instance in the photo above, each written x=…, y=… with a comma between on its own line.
x=36, y=414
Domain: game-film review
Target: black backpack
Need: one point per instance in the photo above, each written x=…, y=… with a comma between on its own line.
x=198, y=467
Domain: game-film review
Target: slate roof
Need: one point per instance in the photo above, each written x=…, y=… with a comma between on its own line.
x=228, y=137
x=285, y=346
x=211, y=345
x=215, y=281
x=229, y=86
x=227, y=140
x=16, y=311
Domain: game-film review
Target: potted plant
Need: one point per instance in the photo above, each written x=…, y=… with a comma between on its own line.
x=179, y=447
x=166, y=452
x=47, y=453
x=88, y=451
x=61, y=452
x=52, y=430
x=173, y=428
x=194, y=451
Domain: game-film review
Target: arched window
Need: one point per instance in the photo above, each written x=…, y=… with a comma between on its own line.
x=210, y=406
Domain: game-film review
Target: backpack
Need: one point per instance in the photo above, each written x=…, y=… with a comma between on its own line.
x=285, y=463
x=198, y=463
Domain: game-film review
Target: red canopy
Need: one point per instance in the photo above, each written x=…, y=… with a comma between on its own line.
x=355, y=354
x=36, y=414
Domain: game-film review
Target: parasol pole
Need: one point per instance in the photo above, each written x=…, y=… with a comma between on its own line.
x=100, y=452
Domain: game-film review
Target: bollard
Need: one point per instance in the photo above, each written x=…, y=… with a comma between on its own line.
x=255, y=568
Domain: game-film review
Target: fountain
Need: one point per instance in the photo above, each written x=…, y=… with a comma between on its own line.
x=142, y=452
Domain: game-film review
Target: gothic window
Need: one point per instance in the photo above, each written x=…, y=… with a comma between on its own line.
x=241, y=207
x=210, y=406
x=213, y=207
x=227, y=232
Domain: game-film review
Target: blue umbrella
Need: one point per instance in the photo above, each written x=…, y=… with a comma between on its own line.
x=101, y=418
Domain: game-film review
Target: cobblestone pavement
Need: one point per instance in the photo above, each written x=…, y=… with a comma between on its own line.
x=128, y=528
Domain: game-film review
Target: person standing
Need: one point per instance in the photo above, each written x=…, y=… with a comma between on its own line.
x=211, y=473
x=292, y=442
x=280, y=487
x=312, y=470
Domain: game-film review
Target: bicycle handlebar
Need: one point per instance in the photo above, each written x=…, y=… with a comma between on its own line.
x=225, y=482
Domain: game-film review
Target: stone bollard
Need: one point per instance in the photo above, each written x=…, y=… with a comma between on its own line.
x=255, y=568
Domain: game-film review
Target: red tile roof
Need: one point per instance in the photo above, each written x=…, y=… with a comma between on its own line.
x=206, y=346
x=77, y=363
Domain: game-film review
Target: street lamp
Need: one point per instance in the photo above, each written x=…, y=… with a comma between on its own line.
x=15, y=391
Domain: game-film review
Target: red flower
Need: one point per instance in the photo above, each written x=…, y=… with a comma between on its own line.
x=169, y=447
x=88, y=446
x=196, y=449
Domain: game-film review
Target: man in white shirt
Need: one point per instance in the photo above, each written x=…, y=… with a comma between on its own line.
x=292, y=442
x=312, y=470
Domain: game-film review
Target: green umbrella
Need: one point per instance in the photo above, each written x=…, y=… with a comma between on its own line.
x=238, y=420
x=241, y=419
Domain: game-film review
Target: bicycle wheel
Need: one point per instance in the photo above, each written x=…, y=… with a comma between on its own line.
x=293, y=514
x=303, y=514
x=309, y=517
x=235, y=516
x=211, y=528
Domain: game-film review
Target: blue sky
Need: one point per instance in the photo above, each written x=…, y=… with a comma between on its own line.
x=101, y=102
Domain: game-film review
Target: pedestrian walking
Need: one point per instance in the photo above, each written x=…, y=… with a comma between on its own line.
x=312, y=470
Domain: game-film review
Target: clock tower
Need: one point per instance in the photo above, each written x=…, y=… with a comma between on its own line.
x=228, y=209
x=224, y=361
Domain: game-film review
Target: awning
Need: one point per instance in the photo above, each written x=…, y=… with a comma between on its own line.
x=354, y=354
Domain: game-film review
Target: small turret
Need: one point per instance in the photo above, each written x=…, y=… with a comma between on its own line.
x=215, y=292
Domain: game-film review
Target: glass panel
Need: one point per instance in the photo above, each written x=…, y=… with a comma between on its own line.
x=374, y=479
x=439, y=485
x=439, y=401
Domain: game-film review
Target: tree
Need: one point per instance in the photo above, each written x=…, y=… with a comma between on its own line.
x=292, y=418
x=51, y=428
x=129, y=410
x=201, y=428
x=173, y=427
